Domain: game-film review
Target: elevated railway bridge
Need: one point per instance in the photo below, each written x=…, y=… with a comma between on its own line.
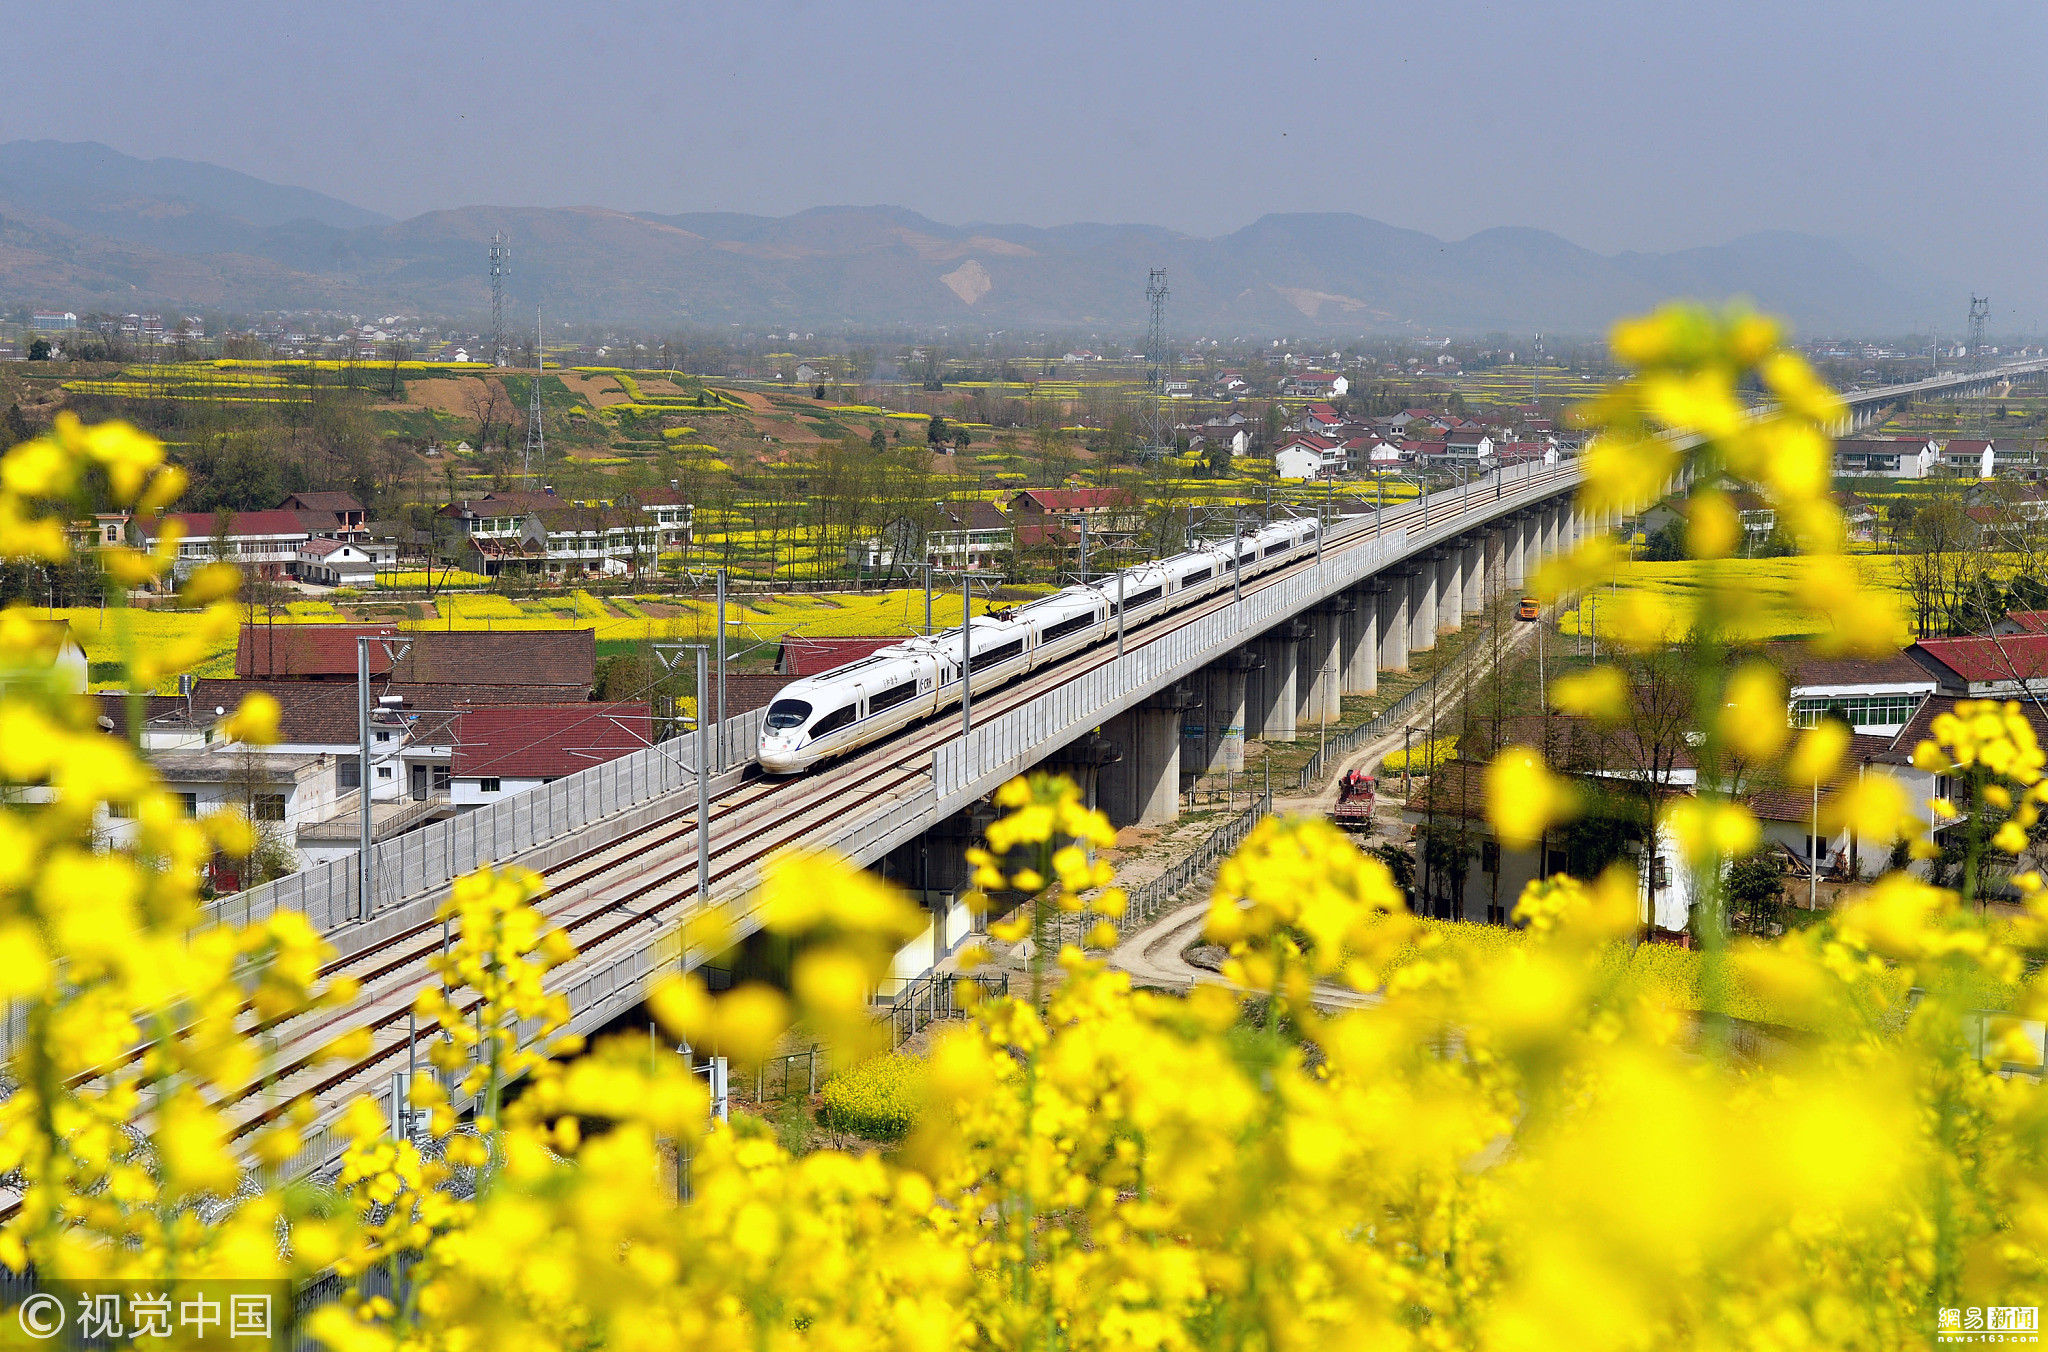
x=618, y=844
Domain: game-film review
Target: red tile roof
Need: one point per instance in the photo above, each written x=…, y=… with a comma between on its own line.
x=2016, y=657
x=321, y=502
x=2033, y=621
x=558, y=657
x=203, y=525
x=548, y=741
x=308, y=651
x=809, y=656
x=1072, y=499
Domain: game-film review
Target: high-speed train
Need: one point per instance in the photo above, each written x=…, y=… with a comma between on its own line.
x=836, y=711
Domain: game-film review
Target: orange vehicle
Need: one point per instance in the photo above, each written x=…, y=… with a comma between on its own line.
x=1528, y=609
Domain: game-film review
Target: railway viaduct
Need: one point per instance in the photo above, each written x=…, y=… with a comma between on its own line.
x=1175, y=697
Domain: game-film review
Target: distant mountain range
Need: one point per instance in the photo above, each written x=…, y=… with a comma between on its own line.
x=83, y=226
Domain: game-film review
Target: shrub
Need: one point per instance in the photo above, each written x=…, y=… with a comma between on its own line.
x=879, y=1099
x=1421, y=758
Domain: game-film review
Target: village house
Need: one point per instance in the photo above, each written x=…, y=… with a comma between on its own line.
x=1314, y=385
x=498, y=752
x=1886, y=457
x=2003, y=667
x=332, y=516
x=1858, y=515
x=1108, y=516
x=1318, y=418
x=264, y=544
x=335, y=563
x=1307, y=456
x=1875, y=695
x=539, y=534
x=1236, y=439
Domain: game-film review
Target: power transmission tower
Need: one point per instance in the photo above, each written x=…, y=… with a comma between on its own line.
x=501, y=266
x=1155, y=355
x=536, y=432
x=1155, y=338
x=1980, y=310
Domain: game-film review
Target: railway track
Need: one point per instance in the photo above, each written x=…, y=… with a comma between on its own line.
x=621, y=896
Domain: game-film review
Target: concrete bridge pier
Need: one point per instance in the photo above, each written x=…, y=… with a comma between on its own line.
x=1223, y=709
x=1496, y=547
x=1143, y=787
x=1475, y=573
x=1279, y=652
x=1082, y=762
x=1359, y=652
x=1393, y=606
x=1321, y=677
x=1422, y=596
x=1450, y=588
x=1515, y=551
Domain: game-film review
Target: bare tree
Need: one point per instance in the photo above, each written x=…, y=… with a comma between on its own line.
x=490, y=408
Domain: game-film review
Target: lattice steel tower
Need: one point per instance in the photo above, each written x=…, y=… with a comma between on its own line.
x=536, y=431
x=1155, y=337
x=1980, y=310
x=501, y=267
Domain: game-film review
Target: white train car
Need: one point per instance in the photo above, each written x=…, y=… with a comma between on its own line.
x=848, y=707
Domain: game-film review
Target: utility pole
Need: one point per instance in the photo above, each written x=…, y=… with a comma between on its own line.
x=927, y=599
x=536, y=431
x=366, y=857
x=966, y=653
x=721, y=670
x=703, y=786
x=667, y=654
x=1119, y=614
x=1813, y=854
x=1236, y=557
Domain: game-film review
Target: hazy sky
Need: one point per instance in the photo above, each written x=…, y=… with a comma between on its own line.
x=1904, y=127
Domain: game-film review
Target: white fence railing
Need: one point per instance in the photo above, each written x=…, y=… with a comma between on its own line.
x=1010, y=743
x=597, y=804
x=329, y=894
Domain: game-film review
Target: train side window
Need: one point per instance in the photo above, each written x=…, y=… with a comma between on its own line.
x=893, y=696
x=833, y=721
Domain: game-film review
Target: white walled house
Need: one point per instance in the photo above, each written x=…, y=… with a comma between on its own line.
x=336, y=563
x=1886, y=458
x=265, y=544
x=1877, y=696
x=1297, y=462
x=505, y=751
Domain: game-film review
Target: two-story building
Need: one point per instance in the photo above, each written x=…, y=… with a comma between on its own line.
x=672, y=514
x=1108, y=517
x=329, y=516
x=263, y=544
x=541, y=534
x=336, y=563
x=1886, y=457
x=1308, y=456
x=1314, y=385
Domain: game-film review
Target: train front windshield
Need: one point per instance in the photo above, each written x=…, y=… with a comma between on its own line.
x=787, y=713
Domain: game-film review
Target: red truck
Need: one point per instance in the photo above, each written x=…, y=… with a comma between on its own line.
x=1355, y=794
